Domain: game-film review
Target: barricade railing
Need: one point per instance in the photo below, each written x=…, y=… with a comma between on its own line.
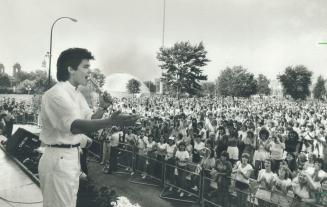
x=26, y=118
x=126, y=156
x=182, y=179
x=214, y=189
x=148, y=166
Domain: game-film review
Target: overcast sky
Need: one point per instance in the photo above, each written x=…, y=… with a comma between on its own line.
x=264, y=36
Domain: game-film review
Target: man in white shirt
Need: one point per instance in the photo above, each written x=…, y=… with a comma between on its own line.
x=66, y=117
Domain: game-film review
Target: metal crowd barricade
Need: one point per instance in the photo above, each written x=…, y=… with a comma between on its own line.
x=215, y=190
x=125, y=158
x=145, y=165
x=26, y=118
x=175, y=178
x=274, y=199
x=212, y=192
x=96, y=149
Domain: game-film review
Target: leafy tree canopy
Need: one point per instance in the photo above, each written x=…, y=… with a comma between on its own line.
x=182, y=65
x=296, y=81
x=319, y=91
x=236, y=82
x=263, y=85
x=133, y=86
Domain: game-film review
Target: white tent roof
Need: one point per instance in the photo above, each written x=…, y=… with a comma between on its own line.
x=116, y=83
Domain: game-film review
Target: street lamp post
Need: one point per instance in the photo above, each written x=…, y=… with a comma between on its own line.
x=50, y=55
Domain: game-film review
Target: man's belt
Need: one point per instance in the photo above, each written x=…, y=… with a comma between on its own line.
x=63, y=145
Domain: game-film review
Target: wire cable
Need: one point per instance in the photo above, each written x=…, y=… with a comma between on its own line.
x=18, y=202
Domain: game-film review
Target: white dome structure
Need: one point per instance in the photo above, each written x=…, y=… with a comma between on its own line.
x=116, y=84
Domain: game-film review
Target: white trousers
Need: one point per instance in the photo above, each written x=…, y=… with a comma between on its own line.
x=59, y=171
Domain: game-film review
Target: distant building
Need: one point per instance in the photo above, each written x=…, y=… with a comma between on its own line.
x=16, y=69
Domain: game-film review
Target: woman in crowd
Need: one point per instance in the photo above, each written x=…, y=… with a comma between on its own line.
x=249, y=145
x=290, y=162
x=316, y=172
x=303, y=189
x=259, y=157
x=150, y=149
x=311, y=161
x=161, y=149
x=321, y=195
x=197, y=148
x=182, y=157
x=142, y=142
x=130, y=139
x=265, y=180
x=221, y=174
x=280, y=187
x=242, y=171
x=222, y=142
x=232, y=149
x=276, y=147
x=170, y=160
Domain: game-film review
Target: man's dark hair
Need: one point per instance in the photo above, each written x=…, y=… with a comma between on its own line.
x=71, y=57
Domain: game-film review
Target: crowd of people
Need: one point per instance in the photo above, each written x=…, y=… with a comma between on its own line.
x=277, y=145
x=17, y=112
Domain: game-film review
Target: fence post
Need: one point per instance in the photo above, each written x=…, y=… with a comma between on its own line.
x=163, y=173
x=201, y=174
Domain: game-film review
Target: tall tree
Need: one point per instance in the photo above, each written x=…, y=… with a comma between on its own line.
x=263, y=85
x=296, y=81
x=133, y=86
x=151, y=86
x=182, y=65
x=4, y=80
x=319, y=91
x=236, y=82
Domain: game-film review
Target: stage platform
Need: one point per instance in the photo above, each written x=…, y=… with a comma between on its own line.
x=16, y=186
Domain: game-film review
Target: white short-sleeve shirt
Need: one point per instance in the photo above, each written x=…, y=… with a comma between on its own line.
x=61, y=105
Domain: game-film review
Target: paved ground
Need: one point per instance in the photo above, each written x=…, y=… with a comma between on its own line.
x=16, y=185
x=146, y=196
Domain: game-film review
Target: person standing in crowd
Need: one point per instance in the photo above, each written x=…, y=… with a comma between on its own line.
x=169, y=158
x=242, y=171
x=66, y=117
x=321, y=195
x=222, y=173
x=113, y=142
x=281, y=184
x=303, y=189
x=265, y=179
x=276, y=147
x=182, y=157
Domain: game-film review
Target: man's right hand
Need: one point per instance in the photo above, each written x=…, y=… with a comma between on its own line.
x=119, y=119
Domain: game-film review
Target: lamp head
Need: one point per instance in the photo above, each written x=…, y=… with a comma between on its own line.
x=74, y=20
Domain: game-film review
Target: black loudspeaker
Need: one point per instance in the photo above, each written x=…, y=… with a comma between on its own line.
x=22, y=144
